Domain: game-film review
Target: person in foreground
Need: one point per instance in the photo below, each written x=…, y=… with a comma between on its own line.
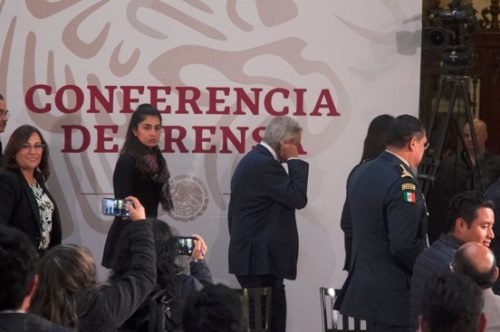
x=493, y=193
x=470, y=218
x=19, y=281
x=478, y=262
x=264, y=241
x=388, y=216
x=69, y=293
x=452, y=302
x=162, y=310
x=216, y=308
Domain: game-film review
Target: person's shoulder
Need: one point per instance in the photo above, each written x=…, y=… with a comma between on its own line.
x=37, y=323
x=9, y=174
x=493, y=191
x=10, y=177
x=258, y=154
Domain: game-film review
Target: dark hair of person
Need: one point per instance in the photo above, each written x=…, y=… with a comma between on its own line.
x=169, y=277
x=462, y=264
x=1, y=97
x=20, y=136
x=465, y=205
x=215, y=308
x=18, y=259
x=166, y=253
x=375, y=138
x=451, y=302
x=67, y=275
x=132, y=144
x=143, y=154
x=402, y=129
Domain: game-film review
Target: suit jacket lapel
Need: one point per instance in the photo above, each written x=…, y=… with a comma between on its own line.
x=30, y=195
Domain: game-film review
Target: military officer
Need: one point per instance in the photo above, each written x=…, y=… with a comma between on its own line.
x=388, y=216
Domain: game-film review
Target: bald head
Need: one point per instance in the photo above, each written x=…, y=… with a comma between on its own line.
x=478, y=262
x=481, y=131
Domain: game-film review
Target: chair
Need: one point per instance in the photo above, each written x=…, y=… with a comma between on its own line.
x=258, y=302
x=333, y=320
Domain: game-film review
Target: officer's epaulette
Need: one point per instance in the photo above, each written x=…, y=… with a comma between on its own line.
x=405, y=173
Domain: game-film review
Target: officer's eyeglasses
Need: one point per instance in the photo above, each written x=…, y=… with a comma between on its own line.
x=4, y=114
x=426, y=145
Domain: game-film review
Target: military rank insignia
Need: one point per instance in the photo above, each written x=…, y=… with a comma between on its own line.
x=409, y=196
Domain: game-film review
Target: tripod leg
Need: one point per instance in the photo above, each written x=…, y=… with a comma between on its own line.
x=477, y=172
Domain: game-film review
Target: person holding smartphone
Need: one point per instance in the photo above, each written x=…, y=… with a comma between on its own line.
x=69, y=293
x=181, y=268
x=140, y=171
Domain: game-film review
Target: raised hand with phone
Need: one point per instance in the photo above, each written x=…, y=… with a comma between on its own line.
x=135, y=209
x=181, y=270
x=200, y=248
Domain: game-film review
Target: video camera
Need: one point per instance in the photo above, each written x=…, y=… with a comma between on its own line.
x=450, y=34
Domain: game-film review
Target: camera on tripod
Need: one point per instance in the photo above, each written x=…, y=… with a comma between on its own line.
x=450, y=34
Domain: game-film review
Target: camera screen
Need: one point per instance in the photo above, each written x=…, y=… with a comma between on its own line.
x=185, y=244
x=114, y=207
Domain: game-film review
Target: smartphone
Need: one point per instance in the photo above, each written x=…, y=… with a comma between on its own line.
x=114, y=207
x=185, y=245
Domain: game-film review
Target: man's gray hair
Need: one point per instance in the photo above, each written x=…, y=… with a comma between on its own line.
x=281, y=128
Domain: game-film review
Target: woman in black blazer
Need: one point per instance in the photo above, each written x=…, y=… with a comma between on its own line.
x=25, y=201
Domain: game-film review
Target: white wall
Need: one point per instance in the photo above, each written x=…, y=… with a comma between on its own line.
x=364, y=54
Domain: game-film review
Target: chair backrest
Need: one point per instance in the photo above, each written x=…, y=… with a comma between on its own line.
x=258, y=302
x=333, y=320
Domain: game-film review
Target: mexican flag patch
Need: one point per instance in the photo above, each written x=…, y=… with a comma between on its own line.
x=409, y=196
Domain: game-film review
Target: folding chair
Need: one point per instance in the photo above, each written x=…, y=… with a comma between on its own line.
x=333, y=320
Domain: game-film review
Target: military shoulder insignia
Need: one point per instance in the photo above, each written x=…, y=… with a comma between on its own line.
x=405, y=173
x=408, y=186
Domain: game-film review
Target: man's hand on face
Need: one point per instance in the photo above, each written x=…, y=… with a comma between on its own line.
x=288, y=149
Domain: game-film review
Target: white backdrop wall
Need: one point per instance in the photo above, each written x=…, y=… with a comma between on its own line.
x=76, y=69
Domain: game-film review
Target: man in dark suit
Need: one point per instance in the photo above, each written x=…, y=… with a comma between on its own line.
x=264, y=240
x=18, y=259
x=388, y=215
x=4, y=116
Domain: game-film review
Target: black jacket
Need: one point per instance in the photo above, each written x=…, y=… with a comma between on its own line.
x=19, y=208
x=108, y=307
x=434, y=260
x=26, y=322
x=162, y=312
x=129, y=181
x=388, y=217
x=262, y=226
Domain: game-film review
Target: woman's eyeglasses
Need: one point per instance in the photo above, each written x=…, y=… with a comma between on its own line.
x=37, y=147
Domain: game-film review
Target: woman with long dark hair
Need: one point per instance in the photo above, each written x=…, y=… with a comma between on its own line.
x=25, y=201
x=373, y=145
x=68, y=291
x=140, y=171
